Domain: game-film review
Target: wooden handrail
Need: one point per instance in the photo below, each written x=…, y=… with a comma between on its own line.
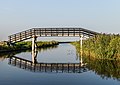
x=24, y=35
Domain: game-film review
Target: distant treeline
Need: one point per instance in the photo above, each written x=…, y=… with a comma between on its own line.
x=26, y=45
x=102, y=46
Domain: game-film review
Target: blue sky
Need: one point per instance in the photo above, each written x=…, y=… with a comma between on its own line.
x=96, y=15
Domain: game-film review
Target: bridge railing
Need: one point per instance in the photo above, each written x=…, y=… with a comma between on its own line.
x=18, y=37
x=21, y=36
x=62, y=32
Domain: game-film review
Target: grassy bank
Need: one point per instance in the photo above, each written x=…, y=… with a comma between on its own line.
x=103, y=46
x=26, y=45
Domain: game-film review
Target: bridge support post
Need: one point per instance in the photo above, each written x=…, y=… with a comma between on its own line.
x=81, y=39
x=34, y=49
x=81, y=53
x=34, y=45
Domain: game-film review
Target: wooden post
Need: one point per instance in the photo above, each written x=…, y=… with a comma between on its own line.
x=34, y=48
x=25, y=35
x=20, y=37
x=9, y=41
x=89, y=46
x=81, y=38
x=15, y=37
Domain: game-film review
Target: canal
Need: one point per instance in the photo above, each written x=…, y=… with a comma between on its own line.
x=57, y=65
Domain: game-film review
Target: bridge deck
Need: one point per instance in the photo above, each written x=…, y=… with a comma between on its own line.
x=48, y=32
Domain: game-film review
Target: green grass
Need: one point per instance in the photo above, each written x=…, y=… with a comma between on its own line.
x=103, y=46
x=26, y=45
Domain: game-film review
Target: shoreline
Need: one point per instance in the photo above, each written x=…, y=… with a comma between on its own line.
x=27, y=46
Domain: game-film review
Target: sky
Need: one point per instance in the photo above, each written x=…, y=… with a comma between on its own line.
x=96, y=15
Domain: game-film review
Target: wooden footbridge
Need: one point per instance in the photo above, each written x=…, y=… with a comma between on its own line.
x=50, y=32
x=47, y=67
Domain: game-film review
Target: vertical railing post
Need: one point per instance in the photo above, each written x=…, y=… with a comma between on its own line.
x=15, y=37
x=20, y=37
x=40, y=31
x=62, y=32
x=74, y=32
x=51, y=31
x=25, y=35
x=68, y=31
x=45, y=32
x=9, y=40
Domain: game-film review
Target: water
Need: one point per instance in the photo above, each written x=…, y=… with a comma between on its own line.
x=94, y=72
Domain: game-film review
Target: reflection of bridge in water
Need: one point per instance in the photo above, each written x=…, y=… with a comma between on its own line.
x=47, y=67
